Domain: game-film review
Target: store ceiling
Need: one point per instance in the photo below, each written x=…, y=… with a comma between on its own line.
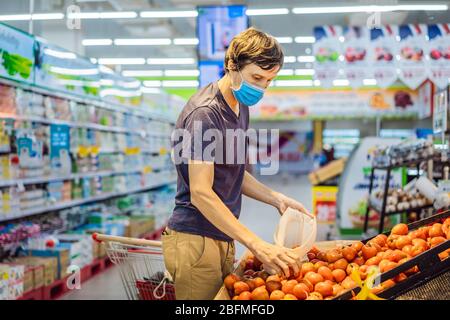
x=289, y=25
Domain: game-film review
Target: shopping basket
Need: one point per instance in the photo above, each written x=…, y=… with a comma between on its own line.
x=141, y=267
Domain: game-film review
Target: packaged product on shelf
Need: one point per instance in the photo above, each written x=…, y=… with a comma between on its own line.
x=8, y=100
x=29, y=103
x=49, y=267
x=10, y=200
x=14, y=274
x=61, y=254
x=79, y=247
x=33, y=198
x=61, y=109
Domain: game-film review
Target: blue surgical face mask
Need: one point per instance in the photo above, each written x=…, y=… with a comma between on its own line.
x=248, y=94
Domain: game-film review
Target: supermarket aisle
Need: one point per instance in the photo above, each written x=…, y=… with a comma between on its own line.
x=260, y=218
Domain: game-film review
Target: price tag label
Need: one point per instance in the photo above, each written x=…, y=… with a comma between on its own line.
x=132, y=151
x=94, y=150
x=162, y=151
x=83, y=151
x=20, y=186
x=147, y=169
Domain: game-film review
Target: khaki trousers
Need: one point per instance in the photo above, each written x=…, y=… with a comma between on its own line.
x=197, y=264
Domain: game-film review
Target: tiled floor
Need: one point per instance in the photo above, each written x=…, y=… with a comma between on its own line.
x=258, y=217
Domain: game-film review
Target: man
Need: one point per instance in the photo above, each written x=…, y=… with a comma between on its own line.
x=198, y=244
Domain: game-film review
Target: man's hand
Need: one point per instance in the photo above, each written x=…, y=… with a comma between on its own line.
x=284, y=202
x=276, y=259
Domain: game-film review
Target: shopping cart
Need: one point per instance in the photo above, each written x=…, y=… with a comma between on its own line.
x=141, y=267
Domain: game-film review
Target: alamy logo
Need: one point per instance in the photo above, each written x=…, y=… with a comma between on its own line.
x=235, y=146
x=74, y=280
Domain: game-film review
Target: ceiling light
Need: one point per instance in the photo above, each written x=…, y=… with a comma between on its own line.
x=284, y=39
x=182, y=73
x=289, y=59
x=185, y=41
x=121, y=60
x=142, y=73
x=142, y=42
x=370, y=82
x=152, y=83
x=150, y=90
x=266, y=12
x=286, y=72
x=75, y=72
x=340, y=82
x=294, y=83
x=96, y=42
x=304, y=72
x=47, y=16
x=171, y=61
x=60, y=54
x=370, y=8
x=169, y=14
x=304, y=39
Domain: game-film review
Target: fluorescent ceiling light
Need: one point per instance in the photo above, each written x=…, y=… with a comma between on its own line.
x=142, y=73
x=340, y=82
x=182, y=73
x=142, y=42
x=121, y=60
x=75, y=72
x=118, y=15
x=169, y=14
x=305, y=58
x=180, y=84
x=105, y=69
x=370, y=8
x=150, y=90
x=185, y=41
x=170, y=61
x=93, y=60
x=15, y=17
x=304, y=72
x=289, y=59
x=317, y=83
x=286, y=72
x=96, y=42
x=103, y=15
x=60, y=54
x=79, y=83
x=129, y=85
x=152, y=83
x=370, y=82
x=47, y=16
x=266, y=12
x=294, y=83
x=284, y=39
x=303, y=39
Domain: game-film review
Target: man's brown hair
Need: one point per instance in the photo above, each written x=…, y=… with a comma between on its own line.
x=254, y=46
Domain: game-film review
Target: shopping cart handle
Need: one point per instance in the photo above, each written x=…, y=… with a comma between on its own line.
x=124, y=240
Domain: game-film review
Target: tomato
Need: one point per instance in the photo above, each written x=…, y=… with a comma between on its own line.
x=400, y=229
x=333, y=255
x=307, y=267
x=351, y=267
x=319, y=264
x=251, y=284
x=326, y=273
x=396, y=256
x=436, y=241
x=239, y=287
x=290, y=296
x=387, y=284
x=436, y=231
x=359, y=261
x=288, y=287
x=357, y=246
x=349, y=253
x=274, y=277
x=301, y=291
x=363, y=271
x=418, y=234
x=374, y=261
x=277, y=295
x=246, y=295
x=400, y=277
x=337, y=290
x=325, y=289
x=273, y=285
x=258, y=281
x=308, y=284
x=313, y=278
x=230, y=280
x=407, y=249
x=448, y=235
x=260, y=293
x=348, y=283
x=391, y=241
x=316, y=296
x=341, y=264
x=420, y=243
x=369, y=251
x=339, y=275
x=402, y=241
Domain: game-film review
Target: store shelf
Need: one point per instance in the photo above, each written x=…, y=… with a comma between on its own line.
x=406, y=163
x=109, y=105
x=377, y=208
x=92, y=126
x=78, y=202
x=75, y=176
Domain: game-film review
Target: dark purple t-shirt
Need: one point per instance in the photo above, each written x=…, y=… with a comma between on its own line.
x=205, y=110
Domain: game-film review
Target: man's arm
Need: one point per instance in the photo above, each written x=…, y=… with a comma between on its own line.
x=256, y=190
x=203, y=197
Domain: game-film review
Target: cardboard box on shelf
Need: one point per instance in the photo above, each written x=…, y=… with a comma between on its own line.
x=62, y=258
x=13, y=274
x=47, y=269
x=331, y=170
x=38, y=276
x=28, y=282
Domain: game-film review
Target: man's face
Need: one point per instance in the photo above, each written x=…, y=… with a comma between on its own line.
x=254, y=75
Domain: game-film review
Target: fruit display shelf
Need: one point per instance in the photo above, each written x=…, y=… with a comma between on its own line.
x=429, y=264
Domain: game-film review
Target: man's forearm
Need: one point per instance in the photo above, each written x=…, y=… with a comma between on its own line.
x=256, y=190
x=213, y=208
